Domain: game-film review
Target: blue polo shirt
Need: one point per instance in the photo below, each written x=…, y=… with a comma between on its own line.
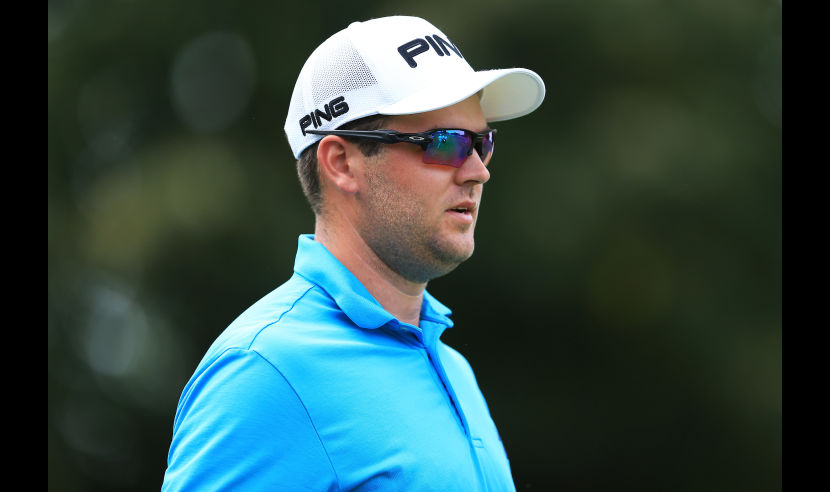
x=316, y=387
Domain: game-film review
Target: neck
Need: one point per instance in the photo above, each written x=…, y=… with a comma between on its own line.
x=401, y=297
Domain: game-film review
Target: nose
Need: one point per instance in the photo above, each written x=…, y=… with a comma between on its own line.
x=473, y=169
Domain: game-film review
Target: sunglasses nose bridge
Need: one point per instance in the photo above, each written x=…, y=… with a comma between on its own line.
x=474, y=143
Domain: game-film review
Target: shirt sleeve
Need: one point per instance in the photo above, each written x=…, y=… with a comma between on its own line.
x=240, y=426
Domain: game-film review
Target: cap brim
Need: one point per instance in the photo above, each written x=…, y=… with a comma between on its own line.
x=508, y=93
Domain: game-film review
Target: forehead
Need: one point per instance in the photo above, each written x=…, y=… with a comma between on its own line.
x=466, y=114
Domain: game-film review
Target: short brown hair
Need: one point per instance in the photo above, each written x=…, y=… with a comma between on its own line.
x=308, y=169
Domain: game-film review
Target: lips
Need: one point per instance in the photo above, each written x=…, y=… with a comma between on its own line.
x=463, y=207
x=463, y=211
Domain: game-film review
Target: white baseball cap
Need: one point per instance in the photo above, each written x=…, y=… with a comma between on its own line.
x=394, y=66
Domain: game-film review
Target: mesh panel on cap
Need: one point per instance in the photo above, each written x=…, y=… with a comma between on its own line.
x=335, y=69
x=339, y=70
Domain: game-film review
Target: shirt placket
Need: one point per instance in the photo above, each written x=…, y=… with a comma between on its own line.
x=429, y=347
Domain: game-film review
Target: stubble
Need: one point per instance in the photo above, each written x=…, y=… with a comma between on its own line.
x=397, y=229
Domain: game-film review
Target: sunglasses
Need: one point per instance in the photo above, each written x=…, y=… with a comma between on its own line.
x=445, y=146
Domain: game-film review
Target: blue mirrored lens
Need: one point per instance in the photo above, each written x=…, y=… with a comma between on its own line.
x=448, y=147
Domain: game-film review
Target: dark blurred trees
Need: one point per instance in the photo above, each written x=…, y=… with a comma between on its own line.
x=623, y=307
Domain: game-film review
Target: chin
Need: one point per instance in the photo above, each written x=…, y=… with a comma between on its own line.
x=454, y=252
x=439, y=258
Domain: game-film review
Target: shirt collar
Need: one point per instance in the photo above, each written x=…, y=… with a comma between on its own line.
x=318, y=265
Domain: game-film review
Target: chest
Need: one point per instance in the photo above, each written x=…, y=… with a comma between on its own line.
x=401, y=415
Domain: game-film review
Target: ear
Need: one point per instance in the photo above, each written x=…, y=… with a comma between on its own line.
x=337, y=159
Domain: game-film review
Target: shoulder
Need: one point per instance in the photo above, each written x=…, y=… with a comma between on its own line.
x=296, y=302
x=241, y=402
x=238, y=368
x=296, y=315
x=240, y=425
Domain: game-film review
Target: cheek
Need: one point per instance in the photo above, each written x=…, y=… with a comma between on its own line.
x=391, y=201
x=418, y=203
x=414, y=190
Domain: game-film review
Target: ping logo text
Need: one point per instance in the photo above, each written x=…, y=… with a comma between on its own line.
x=336, y=107
x=421, y=45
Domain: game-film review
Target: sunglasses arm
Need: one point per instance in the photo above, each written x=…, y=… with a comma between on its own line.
x=386, y=136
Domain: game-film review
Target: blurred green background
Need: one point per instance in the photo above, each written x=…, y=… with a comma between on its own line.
x=623, y=307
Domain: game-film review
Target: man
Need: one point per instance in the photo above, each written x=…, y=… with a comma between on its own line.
x=338, y=380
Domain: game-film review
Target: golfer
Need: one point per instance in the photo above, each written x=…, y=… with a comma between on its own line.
x=338, y=379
